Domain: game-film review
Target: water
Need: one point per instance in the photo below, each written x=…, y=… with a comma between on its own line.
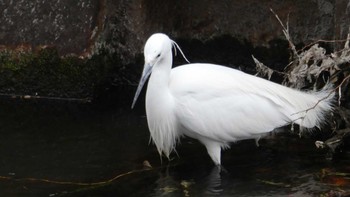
x=57, y=149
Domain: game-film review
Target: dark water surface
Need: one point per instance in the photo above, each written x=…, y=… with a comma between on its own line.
x=59, y=148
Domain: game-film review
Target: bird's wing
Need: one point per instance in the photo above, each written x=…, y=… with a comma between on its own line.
x=226, y=105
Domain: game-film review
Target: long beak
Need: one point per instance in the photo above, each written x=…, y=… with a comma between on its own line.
x=147, y=69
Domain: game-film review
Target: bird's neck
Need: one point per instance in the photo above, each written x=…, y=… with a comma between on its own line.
x=158, y=94
x=160, y=108
x=161, y=75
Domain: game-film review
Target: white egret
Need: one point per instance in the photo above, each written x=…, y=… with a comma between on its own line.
x=217, y=105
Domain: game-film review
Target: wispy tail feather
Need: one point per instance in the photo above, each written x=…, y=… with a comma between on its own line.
x=317, y=105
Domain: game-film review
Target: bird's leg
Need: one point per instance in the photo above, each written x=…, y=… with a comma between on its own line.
x=257, y=141
x=214, y=150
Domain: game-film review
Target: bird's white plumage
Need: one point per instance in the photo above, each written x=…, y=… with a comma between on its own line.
x=217, y=104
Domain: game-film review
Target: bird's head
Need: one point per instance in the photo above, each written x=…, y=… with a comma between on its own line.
x=156, y=47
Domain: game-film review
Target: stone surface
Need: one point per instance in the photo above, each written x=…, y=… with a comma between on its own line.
x=109, y=37
x=203, y=20
x=122, y=26
x=67, y=25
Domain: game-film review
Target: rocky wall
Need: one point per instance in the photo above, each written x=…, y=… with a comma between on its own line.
x=74, y=27
x=114, y=32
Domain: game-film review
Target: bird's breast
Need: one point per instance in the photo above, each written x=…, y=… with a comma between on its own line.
x=162, y=122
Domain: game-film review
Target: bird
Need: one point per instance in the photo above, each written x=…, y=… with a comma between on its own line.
x=218, y=105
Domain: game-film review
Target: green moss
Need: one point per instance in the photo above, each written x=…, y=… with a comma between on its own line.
x=45, y=73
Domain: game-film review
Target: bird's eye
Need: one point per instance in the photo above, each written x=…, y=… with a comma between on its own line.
x=158, y=55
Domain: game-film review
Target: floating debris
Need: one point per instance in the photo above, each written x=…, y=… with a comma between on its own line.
x=279, y=184
x=147, y=164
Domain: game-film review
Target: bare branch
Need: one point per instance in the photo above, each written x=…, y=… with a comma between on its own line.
x=286, y=34
x=319, y=41
x=264, y=70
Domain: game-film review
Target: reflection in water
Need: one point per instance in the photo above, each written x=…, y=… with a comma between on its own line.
x=168, y=185
x=79, y=143
x=213, y=182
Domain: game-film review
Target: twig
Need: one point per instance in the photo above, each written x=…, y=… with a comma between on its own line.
x=73, y=183
x=264, y=70
x=324, y=98
x=279, y=184
x=286, y=33
x=318, y=41
x=333, y=142
x=146, y=167
x=16, y=96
